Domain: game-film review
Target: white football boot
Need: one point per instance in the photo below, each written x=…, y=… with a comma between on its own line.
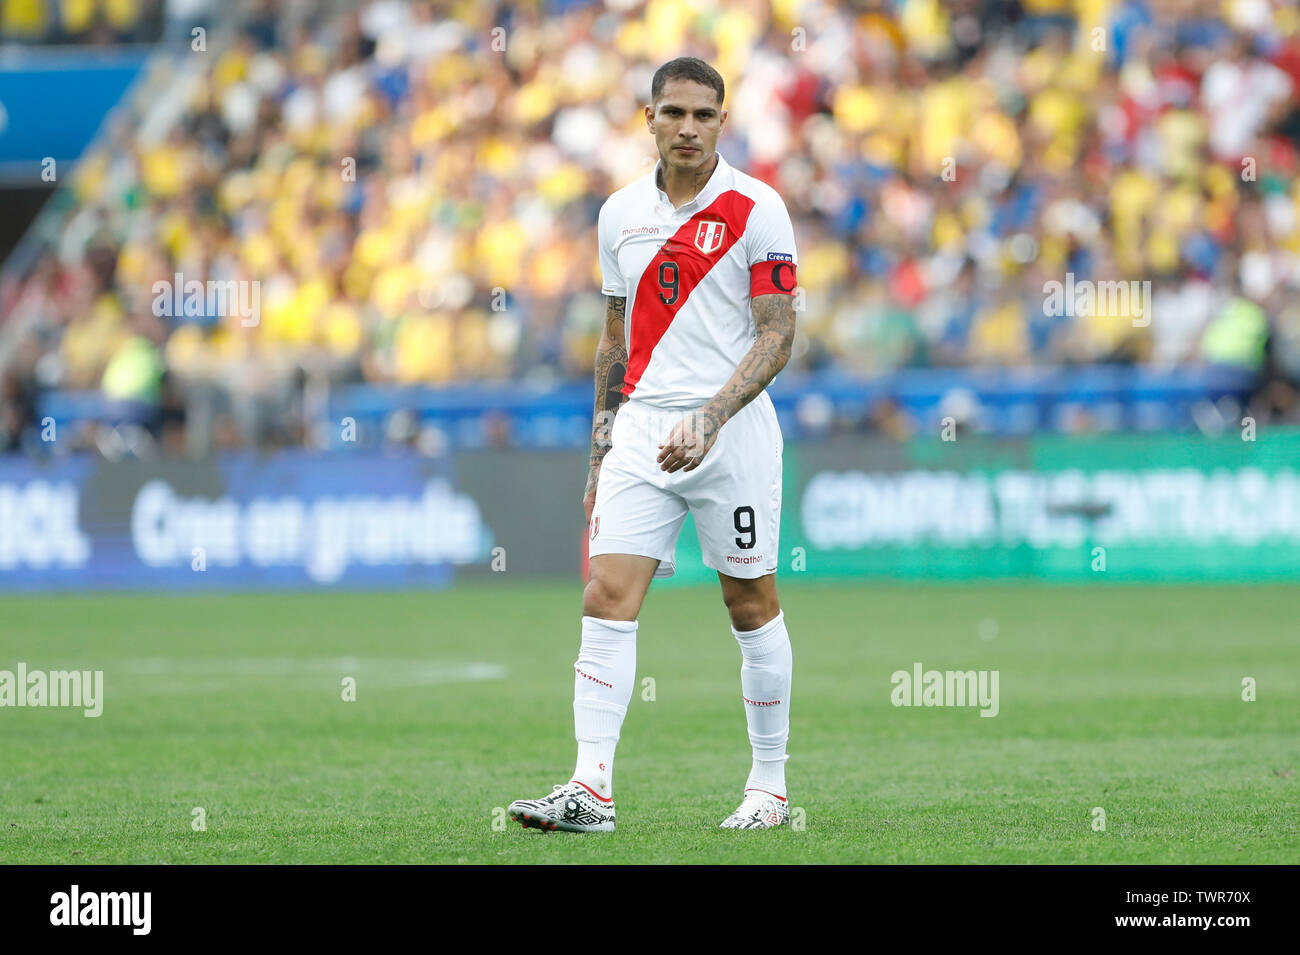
x=758, y=810
x=571, y=807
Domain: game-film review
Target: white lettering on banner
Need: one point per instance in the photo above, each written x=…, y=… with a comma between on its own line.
x=854, y=509
x=325, y=536
x=1245, y=507
x=39, y=526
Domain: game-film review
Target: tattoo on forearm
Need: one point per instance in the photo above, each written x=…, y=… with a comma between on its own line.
x=611, y=371
x=774, y=324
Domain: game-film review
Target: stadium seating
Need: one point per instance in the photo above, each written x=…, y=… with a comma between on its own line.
x=415, y=188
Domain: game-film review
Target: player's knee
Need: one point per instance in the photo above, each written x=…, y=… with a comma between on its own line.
x=751, y=610
x=607, y=601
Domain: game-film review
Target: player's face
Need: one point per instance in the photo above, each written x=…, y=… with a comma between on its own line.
x=686, y=122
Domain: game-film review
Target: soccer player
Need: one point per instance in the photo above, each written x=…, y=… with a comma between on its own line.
x=698, y=266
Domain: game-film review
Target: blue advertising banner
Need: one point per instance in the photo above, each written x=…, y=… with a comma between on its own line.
x=295, y=519
x=52, y=102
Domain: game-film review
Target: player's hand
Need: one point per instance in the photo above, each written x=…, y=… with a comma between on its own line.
x=589, y=495
x=689, y=441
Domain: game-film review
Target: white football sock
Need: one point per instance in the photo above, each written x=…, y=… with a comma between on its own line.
x=765, y=678
x=602, y=688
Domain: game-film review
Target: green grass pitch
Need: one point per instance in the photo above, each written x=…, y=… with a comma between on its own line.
x=1125, y=698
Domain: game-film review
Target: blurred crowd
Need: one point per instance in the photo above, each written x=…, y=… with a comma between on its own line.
x=413, y=187
x=90, y=22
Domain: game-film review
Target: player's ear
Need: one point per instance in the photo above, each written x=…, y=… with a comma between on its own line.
x=650, y=118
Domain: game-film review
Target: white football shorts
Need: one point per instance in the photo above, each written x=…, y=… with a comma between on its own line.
x=735, y=493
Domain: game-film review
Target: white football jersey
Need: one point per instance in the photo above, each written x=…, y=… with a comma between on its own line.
x=689, y=275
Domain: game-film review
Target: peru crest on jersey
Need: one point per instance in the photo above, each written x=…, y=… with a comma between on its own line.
x=709, y=236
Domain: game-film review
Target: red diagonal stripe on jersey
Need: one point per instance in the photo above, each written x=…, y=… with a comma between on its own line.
x=651, y=316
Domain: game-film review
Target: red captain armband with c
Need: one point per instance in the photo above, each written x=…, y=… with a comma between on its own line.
x=773, y=277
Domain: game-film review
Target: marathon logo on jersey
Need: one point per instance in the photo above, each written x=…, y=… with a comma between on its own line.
x=747, y=559
x=709, y=236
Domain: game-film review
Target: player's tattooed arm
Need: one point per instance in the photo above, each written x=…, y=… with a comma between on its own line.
x=692, y=438
x=611, y=369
